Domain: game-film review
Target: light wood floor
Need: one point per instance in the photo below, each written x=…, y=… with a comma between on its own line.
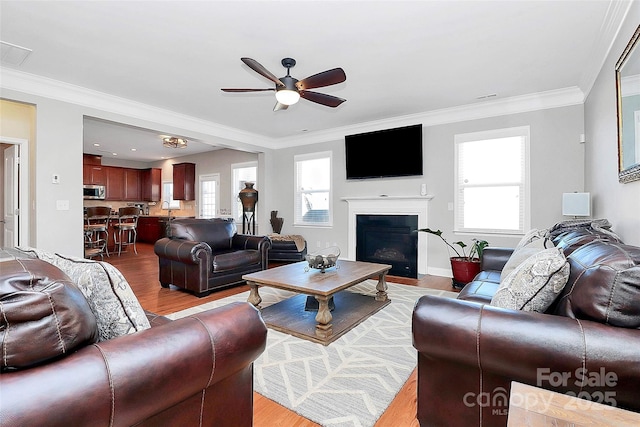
x=141, y=271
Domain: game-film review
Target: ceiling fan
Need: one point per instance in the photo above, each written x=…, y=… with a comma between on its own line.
x=289, y=90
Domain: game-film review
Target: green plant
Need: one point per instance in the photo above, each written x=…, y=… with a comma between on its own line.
x=475, y=250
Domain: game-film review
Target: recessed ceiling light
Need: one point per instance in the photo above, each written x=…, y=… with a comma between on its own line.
x=134, y=149
x=96, y=145
x=115, y=154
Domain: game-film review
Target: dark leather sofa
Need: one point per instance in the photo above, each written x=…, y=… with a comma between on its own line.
x=195, y=371
x=201, y=255
x=587, y=343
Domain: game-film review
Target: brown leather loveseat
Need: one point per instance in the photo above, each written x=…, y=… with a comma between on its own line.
x=201, y=255
x=587, y=343
x=194, y=371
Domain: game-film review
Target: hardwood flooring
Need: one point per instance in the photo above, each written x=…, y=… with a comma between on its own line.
x=141, y=271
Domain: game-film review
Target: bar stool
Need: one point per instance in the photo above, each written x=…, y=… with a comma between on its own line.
x=96, y=231
x=125, y=230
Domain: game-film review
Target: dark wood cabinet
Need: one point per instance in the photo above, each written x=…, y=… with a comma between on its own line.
x=115, y=183
x=184, y=180
x=151, y=184
x=132, y=184
x=149, y=229
x=93, y=175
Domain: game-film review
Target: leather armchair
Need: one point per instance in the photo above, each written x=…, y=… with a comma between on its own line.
x=196, y=371
x=201, y=255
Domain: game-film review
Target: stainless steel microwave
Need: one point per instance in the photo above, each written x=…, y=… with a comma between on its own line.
x=95, y=192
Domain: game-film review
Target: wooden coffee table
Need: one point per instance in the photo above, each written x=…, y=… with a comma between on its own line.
x=289, y=316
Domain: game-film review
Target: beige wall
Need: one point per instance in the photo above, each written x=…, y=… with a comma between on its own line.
x=18, y=120
x=619, y=203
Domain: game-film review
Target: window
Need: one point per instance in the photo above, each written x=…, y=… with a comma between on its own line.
x=492, y=190
x=209, y=199
x=313, y=189
x=167, y=197
x=242, y=172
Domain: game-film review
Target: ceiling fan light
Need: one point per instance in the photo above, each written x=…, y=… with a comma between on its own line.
x=173, y=142
x=287, y=96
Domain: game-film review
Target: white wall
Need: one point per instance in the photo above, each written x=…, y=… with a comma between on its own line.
x=619, y=203
x=557, y=166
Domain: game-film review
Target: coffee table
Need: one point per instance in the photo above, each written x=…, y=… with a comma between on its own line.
x=289, y=316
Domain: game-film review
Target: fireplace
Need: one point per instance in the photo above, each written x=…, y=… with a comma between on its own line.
x=389, y=239
x=389, y=205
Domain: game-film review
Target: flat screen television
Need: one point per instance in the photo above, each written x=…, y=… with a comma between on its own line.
x=386, y=153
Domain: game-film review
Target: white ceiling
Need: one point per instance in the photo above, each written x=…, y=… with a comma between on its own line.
x=401, y=58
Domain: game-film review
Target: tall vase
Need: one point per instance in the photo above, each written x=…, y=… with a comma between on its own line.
x=248, y=197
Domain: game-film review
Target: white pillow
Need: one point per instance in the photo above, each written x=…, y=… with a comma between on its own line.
x=111, y=299
x=523, y=253
x=534, y=284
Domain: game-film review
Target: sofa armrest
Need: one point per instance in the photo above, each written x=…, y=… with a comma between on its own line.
x=249, y=241
x=186, y=251
x=129, y=379
x=494, y=259
x=548, y=351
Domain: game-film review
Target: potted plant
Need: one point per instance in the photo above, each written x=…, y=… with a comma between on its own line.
x=464, y=267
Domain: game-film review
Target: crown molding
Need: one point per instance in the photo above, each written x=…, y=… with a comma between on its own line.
x=609, y=30
x=73, y=94
x=54, y=89
x=495, y=107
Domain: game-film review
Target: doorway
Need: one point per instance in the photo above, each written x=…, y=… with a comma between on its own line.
x=14, y=214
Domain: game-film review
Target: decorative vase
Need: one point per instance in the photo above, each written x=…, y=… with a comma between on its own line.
x=464, y=270
x=276, y=223
x=249, y=197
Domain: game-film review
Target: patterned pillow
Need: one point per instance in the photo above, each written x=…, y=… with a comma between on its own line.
x=531, y=236
x=110, y=297
x=534, y=284
x=522, y=254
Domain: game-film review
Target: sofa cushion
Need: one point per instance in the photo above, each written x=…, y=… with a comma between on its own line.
x=523, y=253
x=235, y=259
x=534, y=284
x=43, y=315
x=604, y=285
x=216, y=232
x=110, y=297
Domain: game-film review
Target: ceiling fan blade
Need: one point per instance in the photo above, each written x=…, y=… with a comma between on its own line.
x=322, y=98
x=246, y=90
x=326, y=78
x=279, y=106
x=258, y=68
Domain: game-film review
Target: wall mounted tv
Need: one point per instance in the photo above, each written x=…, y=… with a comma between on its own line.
x=386, y=153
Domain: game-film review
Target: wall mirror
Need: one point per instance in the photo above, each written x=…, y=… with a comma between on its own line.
x=628, y=97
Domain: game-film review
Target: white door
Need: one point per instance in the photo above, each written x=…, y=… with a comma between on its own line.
x=11, y=218
x=209, y=195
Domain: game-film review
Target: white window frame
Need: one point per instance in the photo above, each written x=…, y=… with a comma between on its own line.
x=298, y=221
x=171, y=203
x=236, y=186
x=215, y=177
x=525, y=183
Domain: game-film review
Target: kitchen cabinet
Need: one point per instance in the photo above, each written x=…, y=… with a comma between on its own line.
x=184, y=178
x=93, y=175
x=152, y=184
x=114, y=183
x=151, y=228
x=132, y=184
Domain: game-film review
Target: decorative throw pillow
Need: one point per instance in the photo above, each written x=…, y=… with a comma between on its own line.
x=534, y=284
x=523, y=253
x=43, y=315
x=531, y=236
x=110, y=297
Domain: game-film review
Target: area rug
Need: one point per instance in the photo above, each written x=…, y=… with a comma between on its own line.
x=353, y=380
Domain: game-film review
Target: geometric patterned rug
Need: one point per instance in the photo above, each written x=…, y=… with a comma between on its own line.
x=350, y=382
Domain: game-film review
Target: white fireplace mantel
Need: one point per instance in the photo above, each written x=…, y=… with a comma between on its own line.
x=390, y=205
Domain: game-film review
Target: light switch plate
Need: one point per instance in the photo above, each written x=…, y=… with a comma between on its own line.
x=55, y=179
